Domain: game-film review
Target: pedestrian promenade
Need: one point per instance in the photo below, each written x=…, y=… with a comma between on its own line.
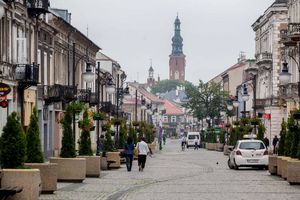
x=179, y=175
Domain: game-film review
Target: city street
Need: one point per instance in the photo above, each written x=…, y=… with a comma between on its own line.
x=173, y=174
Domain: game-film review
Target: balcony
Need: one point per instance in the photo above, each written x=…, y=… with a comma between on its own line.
x=27, y=75
x=294, y=31
x=264, y=59
x=37, y=7
x=285, y=39
x=86, y=96
x=289, y=91
x=57, y=93
x=260, y=103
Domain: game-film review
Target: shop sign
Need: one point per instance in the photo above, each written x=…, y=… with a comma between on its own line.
x=4, y=89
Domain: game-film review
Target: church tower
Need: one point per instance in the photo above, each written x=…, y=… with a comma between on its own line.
x=177, y=58
x=150, y=79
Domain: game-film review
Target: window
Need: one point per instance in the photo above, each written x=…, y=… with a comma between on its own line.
x=252, y=145
x=173, y=119
x=165, y=118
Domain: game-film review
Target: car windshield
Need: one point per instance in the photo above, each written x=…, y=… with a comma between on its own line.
x=192, y=137
x=252, y=145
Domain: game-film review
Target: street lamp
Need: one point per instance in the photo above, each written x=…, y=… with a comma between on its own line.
x=88, y=76
x=284, y=76
x=110, y=87
x=2, y=10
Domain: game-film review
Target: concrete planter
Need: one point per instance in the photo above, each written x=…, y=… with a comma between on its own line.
x=293, y=171
x=279, y=165
x=272, y=164
x=29, y=179
x=227, y=149
x=211, y=146
x=152, y=146
x=115, y=156
x=48, y=173
x=70, y=169
x=219, y=147
x=93, y=165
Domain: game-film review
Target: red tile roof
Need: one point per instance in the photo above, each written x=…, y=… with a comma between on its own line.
x=172, y=109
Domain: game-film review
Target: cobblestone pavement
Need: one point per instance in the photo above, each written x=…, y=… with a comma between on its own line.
x=173, y=174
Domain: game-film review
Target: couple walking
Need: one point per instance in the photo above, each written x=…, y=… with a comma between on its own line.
x=143, y=151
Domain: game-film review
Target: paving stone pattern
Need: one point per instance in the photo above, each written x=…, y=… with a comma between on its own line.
x=179, y=175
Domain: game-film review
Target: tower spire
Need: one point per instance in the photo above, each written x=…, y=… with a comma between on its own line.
x=177, y=39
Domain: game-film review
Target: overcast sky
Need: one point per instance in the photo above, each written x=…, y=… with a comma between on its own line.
x=135, y=31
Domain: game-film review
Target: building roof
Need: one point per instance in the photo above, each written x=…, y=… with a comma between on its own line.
x=178, y=96
x=172, y=109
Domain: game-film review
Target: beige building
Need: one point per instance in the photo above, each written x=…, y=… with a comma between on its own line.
x=268, y=63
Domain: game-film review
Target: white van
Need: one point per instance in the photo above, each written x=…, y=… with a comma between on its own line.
x=191, y=137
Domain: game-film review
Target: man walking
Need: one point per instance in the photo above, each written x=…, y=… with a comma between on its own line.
x=143, y=151
x=196, y=142
x=275, y=141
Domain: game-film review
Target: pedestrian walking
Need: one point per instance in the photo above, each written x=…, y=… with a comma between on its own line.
x=196, y=142
x=129, y=150
x=143, y=151
x=275, y=141
x=266, y=142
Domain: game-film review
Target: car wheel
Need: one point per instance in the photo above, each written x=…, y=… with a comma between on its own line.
x=235, y=166
x=229, y=164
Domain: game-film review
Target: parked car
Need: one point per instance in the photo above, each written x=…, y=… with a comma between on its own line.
x=248, y=153
x=190, y=139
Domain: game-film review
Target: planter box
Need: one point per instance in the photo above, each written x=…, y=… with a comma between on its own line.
x=29, y=179
x=272, y=165
x=284, y=169
x=211, y=146
x=282, y=166
x=70, y=169
x=293, y=171
x=152, y=146
x=48, y=173
x=219, y=147
x=115, y=156
x=227, y=149
x=93, y=165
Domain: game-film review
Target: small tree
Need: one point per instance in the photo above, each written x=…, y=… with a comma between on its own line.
x=289, y=137
x=108, y=144
x=12, y=143
x=68, y=145
x=123, y=136
x=34, y=150
x=261, y=131
x=85, y=147
x=222, y=137
x=132, y=133
x=282, y=138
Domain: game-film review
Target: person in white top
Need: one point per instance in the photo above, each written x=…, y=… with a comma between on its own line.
x=143, y=151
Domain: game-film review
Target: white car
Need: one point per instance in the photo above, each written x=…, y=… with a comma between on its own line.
x=248, y=153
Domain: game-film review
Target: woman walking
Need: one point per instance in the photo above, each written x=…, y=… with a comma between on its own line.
x=129, y=148
x=143, y=150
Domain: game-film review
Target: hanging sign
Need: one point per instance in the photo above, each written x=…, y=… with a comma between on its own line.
x=4, y=89
x=3, y=104
x=267, y=116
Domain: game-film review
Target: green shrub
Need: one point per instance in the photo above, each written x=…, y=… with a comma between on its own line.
x=12, y=143
x=108, y=143
x=122, y=136
x=261, y=131
x=85, y=147
x=289, y=137
x=132, y=133
x=222, y=137
x=282, y=138
x=34, y=150
x=68, y=145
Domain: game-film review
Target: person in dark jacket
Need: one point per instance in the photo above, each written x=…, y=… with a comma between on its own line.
x=266, y=142
x=128, y=151
x=275, y=140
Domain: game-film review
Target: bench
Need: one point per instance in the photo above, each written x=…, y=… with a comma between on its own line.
x=6, y=192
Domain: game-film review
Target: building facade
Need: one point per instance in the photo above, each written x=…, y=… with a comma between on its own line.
x=268, y=62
